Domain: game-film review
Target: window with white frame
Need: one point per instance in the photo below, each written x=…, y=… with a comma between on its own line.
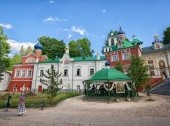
x=91, y=71
x=115, y=58
x=23, y=73
x=17, y=73
x=78, y=72
x=41, y=73
x=126, y=56
x=29, y=73
x=65, y=72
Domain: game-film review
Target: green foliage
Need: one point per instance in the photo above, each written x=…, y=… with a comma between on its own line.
x=138, y=71
x=52, y=46
x=35, y=100
x=16, y=59
x=52, y=82
x=166, y=38
x=4, y=50
x=80, y=48
x=24, y=52
x=119, y=66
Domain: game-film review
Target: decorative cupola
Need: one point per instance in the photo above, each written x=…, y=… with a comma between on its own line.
x=67, y=49
x=136, y=41
x=111, y=40
x=121, y=34
x=38, y=49
x=157, y=44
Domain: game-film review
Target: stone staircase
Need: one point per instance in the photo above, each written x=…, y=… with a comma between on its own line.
x=162, y=89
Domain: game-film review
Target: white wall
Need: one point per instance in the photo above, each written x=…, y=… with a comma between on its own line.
x=70, y=81
x=5, y=82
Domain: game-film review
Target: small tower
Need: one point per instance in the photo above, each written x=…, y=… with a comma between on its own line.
x=67, y=49
x=157, y=44
x=121, y=34
x=111, y=39
x=38, y=49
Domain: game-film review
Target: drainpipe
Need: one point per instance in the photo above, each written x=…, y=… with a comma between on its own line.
x=72, y=75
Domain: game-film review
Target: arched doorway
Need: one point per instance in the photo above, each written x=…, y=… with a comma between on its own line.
x=39, y=88
x=162, y=69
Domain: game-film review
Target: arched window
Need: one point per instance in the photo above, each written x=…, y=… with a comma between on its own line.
x=78, y=72
x=65, y=72
x=112, y=41
x=161, y=64
x=91, y=71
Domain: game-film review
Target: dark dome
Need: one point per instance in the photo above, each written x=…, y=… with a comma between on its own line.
x=107, y=63
x=121, y=31
x=38, y=46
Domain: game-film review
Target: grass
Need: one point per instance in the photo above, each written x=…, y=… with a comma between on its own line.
x=35, y=100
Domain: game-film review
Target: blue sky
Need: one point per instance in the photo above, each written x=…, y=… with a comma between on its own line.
x=24, y=21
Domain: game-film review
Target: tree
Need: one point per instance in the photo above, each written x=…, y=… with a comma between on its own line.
x=119, y=66
x=28, y=50
x=24, y=52
x=73, y=49
x=52, y=46
x=166, y=38
x=52, y=82
x=4, y=51
x=80, y=47
x=14, y=60
x=138, y=72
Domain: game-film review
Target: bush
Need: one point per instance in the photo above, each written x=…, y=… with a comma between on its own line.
x=35, y=100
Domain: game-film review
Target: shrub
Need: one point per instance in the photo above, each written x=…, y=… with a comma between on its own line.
x=35, y=100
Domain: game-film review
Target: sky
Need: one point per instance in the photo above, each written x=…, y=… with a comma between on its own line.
x=24, y=21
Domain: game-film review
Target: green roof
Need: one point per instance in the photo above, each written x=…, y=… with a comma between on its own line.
x=126, y=44
x=108, y=74
x=136, y=41
x=75, y=59
x=88, y=58
x=55, y=60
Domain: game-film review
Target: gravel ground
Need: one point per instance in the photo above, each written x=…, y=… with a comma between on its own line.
x=80, y=112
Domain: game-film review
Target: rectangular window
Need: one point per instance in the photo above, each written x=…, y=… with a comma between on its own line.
x=29, y=73
x=150, y=61
x=78, y=72
x=41, y=73
x=23, y=73
x=65, y=72
x=152, y=73
x=115, y=58
x=125, y=56
x=91, y=72
x=17, y=73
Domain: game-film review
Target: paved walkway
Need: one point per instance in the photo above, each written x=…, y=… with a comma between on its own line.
x=78, y=112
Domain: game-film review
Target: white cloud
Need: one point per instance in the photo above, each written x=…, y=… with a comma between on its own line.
x=79, y=30
x=16, y=46
x=51, y=19
x=51, y=1
x=7, y=26
x=69, y=36
x=104, y=11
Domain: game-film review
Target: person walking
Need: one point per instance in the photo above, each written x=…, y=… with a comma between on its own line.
x=8, y=102
x=21, y=111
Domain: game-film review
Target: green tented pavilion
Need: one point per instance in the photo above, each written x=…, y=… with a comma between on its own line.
x=109, y=82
